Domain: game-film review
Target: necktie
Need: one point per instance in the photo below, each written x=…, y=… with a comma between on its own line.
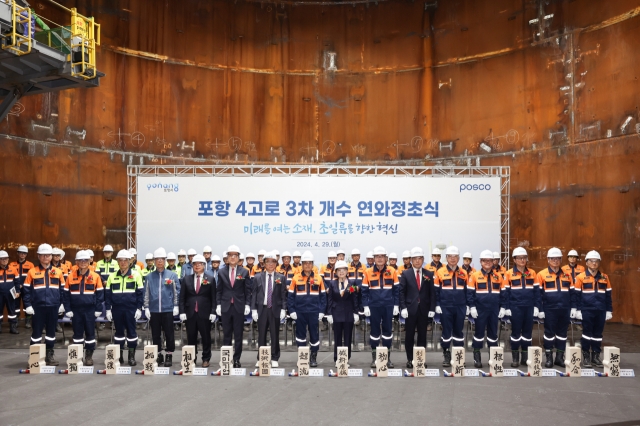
x=342, y=285
x=197, y=290
x=269, y=292
x=232, y=278
x=418, y=279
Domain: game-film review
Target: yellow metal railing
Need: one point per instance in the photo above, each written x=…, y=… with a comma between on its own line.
x=85, y=36
x=18, y=40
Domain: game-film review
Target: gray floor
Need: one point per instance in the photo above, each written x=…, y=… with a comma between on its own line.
x=99, y=399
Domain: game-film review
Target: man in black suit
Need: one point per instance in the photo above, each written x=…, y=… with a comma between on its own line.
x=268, y=305
x=233, y=297
x=197, y=306
x=417, y=301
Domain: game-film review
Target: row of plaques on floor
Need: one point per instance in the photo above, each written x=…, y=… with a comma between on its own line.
x=573, y=360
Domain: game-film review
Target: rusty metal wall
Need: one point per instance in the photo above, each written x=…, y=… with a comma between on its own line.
x=460, y=82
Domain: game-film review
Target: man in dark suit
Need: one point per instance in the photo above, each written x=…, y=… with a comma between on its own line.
x=233, y=298
x=197, y=306
x=417, y=301
x=268, y=305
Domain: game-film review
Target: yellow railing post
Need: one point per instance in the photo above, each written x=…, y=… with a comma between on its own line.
x=18, y=40
x=83, y=39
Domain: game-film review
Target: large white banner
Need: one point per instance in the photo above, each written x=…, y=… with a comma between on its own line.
x=318, y=213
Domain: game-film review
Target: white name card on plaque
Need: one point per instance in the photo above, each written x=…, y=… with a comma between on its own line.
x=277, y=372
x=47, y=369
x=85, y=370
x=627, y=372
x=432, y=372
x=588, y=372
x=198, y=371
x=123, y=370
x=316, y=372
x=510, y=372
x=548, y=372
x=162, y=371
x=238, y=371
x=394, y=372
x=355, y=372
x=471, y=372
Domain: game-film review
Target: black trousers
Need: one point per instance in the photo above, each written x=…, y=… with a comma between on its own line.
x=419, y=322
x=340, y=330
x=162, y=321
x=232, y=326
x=44, y=317
x=196, y=325
x=270, y=319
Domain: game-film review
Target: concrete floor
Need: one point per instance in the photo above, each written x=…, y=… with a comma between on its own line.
x=159, y=400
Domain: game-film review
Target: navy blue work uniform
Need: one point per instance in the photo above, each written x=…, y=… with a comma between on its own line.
x=42, y=291
x=307, y=298
x=381, y=292
x=451, y=296
x=83, y=295
x=523, y=294
x=558, y=297
x=123, y=296
x=485, y=293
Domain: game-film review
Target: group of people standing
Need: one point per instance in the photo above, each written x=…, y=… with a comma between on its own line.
x=200, y=291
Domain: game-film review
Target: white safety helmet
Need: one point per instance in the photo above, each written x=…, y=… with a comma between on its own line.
x=191, y=252
x=181, y=252
x=592, y=255
x=393, y=256
x=250, y=255
x=519, y=251
x=276, y=252
x=107, y=248
x=379, y=250
x=467, y=255
x=133, y=251
x=148, y=256
x=171, y=256
x=452, y=251
x=198, y=258
x=159, y=253
x=206, y=249
x=496, y=255
x=241, y=257
x=407, y=253
x=82, y=255
x=554, y=252
x=355, y=251
x=23, y=249
x=296, y=254
x=56, y=251
x=3, y=254
x=124, y=254
x=45, y=249
x=270, y=255
x=436, y=252
x=573, y=253
x=286, y=253
x=332, y=254
x=262, y=252
x=340, y=251
x=369, y=255
x=341, y=264
x=415, y=252
x=233, y=249
x=215, y=258
x=91, y=252
x=62, y=253
x=487, y=254
x=307, y=256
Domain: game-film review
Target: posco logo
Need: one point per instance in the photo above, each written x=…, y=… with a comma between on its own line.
x=469, y=187
x=165, y=187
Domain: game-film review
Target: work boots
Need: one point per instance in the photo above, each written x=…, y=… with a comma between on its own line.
x=515, y=358
x=595, y=359
x=549, y=362
x=373, y=359
x=168, y=362
x=13, y=328
x=586, y=359
x=27, y=322
x=477, y=359
x=446, y=353
x=49, y=359
x=88, y=358
x=160, y=359
x=524, y=356
x=389, y=363
x=313, y=363
x=559, y=358
x=132, y=356
x=121, y=360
